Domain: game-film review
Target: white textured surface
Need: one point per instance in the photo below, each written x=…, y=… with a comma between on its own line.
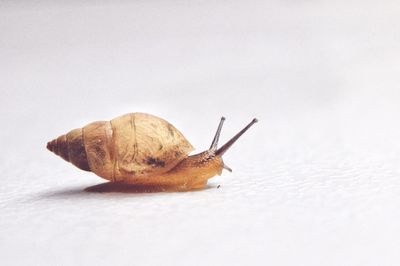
x=315, y=182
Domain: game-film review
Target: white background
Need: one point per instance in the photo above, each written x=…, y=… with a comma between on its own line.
x=315, y=182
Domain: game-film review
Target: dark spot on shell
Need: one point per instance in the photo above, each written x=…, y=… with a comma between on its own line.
x=177, y=154
x=77, y=152
x=100, y=153
x=160, y=147
x=154, y=162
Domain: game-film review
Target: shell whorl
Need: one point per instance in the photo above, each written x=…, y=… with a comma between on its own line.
x=71, y=148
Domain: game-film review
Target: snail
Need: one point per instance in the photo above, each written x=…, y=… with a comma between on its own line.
x=142, y=149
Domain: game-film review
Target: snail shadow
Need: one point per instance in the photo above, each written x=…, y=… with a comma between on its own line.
x=111, y=187
x=114, y=187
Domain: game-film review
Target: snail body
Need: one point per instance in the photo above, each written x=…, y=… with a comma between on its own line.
x=141, y=149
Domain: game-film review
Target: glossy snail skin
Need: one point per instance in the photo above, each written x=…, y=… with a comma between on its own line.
x=141, y=149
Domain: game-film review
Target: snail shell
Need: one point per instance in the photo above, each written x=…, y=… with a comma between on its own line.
x=129, y=146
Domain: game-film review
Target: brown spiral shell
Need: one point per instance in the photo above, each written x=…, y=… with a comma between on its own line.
x=130, y=146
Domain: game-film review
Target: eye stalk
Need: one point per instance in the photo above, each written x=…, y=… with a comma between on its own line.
x=227, y=145
x=214, y=144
